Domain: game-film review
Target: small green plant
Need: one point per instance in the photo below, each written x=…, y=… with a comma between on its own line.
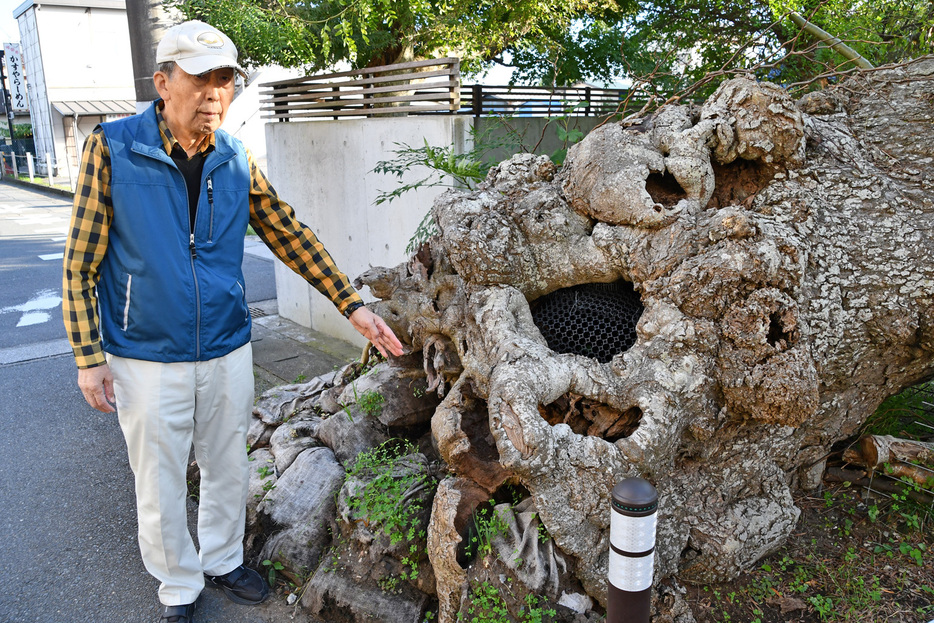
x=487, y=605
x=386, y=502
x=372, y=403
x=273, y=568
x=487, y=525
x=543, y=534
x=300, y=378
x=823, y=605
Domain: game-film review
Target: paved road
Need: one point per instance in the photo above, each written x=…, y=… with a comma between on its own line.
x=67, y=510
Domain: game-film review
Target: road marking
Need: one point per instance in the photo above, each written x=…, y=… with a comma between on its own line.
x=30, y=352
x=39, y=219
x=33, y=311
x=52, y=256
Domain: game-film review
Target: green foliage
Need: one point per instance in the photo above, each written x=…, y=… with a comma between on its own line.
x=372, y=403
x=386, y=502
x=487, y=605
x=21, y=130
x=860, y=561
x=446, y=167
x=691, y=42
x=273, y=568
x=487, y=525
x=897, y=415
x=368, y=33
x=665, y=47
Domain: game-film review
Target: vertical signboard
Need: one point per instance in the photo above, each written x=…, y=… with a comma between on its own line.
x=14, y=72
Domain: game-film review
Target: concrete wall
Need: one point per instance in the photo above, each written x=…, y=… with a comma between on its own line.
x=531, y=131
x=324, y=170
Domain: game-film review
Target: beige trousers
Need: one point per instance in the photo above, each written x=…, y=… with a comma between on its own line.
x=163, y=408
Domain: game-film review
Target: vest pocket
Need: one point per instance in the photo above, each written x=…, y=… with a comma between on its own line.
x=246, y=306
x=126, y=306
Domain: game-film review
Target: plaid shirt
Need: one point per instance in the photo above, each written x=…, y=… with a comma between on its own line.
x=272, y=219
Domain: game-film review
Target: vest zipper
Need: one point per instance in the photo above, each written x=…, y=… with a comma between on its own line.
x=211, y=203
x=193, y=253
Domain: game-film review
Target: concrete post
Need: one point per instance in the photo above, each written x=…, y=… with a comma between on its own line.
x=48, y=166
x=632, y=551
x=15, y=168
x=31, y=167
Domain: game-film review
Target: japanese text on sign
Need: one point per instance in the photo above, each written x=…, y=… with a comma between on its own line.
x=14, y=72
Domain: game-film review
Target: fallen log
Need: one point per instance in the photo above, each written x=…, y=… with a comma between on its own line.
x=879, y=449
x=877, y=484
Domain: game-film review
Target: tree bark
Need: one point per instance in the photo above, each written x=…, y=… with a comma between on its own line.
x=781, y=251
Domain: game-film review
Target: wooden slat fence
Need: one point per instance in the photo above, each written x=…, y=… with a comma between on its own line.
x=430, y=86
x=485, y=100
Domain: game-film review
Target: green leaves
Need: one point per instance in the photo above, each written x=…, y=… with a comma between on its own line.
x=664, y=47
x=393, y=500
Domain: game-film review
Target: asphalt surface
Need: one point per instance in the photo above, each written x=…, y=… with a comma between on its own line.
x=67, y=508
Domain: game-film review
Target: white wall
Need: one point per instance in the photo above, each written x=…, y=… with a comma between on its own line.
x=323, y=169
x=86, y=52
x=244, y=119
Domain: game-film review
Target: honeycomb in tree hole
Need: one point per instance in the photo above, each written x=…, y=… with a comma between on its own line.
x=596, y=320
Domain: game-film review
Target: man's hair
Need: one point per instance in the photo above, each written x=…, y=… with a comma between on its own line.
x=168, y=68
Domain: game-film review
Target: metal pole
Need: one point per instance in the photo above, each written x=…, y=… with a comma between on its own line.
x=632, y=551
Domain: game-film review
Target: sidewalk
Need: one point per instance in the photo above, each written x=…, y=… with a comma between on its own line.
x=286, y=353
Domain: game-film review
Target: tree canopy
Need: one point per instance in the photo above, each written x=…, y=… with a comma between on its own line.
x=662, y=44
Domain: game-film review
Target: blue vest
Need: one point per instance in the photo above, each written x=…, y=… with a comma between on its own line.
x=167, y=293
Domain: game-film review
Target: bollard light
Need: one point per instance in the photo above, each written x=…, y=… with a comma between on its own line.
x=632, y=551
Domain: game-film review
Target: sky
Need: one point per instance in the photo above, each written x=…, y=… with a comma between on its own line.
x=9, y=31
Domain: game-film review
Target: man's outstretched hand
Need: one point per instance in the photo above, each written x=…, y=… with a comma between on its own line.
x=375, y=329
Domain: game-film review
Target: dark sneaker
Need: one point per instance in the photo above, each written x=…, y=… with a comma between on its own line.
x=242, y=585
x=178, y=614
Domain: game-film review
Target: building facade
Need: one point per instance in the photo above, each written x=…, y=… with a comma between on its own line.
x=76, y=55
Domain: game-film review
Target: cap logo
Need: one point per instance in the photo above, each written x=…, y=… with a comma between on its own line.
x=210, y=39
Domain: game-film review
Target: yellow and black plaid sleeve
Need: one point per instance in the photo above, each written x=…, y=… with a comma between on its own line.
x=85, y=246
x=294, y=243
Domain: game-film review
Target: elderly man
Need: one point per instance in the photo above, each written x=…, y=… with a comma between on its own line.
x=156, y=244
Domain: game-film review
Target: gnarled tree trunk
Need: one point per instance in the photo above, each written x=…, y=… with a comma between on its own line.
x=781, y=251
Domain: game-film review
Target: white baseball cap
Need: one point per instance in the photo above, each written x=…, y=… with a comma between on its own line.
x=198, y=48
